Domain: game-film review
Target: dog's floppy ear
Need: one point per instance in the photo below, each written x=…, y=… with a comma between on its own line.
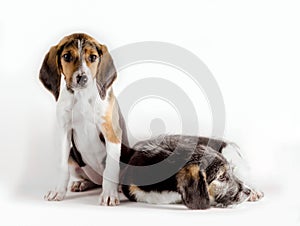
x=192, y=185
x=106, y=73
x=50, y=74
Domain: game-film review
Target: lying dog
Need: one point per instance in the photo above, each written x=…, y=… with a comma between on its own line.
x=199, y=175
x=88, y=115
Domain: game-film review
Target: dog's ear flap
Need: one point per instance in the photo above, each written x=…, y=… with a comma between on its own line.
x=192, y=185
x=50, y=74
x=106, y=73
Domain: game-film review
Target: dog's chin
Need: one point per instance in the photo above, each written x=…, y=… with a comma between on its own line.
x=242, y=197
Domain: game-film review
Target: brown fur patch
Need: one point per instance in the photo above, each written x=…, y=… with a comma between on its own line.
x=212, y=187
x=222, y=170
x=71, y=162
x=188, y=172
x=89, y=50
x=68, y=68
x=110, y=127
x=133, y=189
x=211, y=190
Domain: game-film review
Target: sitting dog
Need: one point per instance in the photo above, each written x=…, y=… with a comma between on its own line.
x=88, y=114
x=199, y=175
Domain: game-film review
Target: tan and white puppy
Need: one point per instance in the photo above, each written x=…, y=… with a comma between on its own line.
x=88, y=115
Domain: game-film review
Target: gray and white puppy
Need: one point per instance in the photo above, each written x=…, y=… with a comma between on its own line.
x=187, y=169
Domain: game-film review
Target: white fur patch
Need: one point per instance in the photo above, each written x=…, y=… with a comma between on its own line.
x=75, y=111
x=165, y=197
x=79, y=47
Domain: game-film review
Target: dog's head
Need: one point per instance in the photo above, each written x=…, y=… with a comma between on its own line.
x=210, y=183
x=224, y=188
x=80, y=59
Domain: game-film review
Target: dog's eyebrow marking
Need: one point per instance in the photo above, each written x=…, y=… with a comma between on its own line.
x=79, y=46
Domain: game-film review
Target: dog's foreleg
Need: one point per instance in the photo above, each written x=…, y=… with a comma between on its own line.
x=109, y=195
x=59, y=192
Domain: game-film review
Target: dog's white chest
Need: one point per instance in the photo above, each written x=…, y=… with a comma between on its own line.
x=80, y=116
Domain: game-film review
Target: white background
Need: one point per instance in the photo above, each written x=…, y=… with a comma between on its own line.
x=251, y=47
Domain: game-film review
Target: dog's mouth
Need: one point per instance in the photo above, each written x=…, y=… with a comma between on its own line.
x=72, y=88
x=243, y=197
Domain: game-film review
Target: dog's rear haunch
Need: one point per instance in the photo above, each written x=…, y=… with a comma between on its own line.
x=199, y=175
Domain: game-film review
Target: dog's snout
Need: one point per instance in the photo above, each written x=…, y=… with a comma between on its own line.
x=81, y=79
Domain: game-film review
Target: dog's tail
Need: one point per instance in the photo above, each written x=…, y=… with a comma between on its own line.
x=220, y=145
x=235, y=157
x=126, y=153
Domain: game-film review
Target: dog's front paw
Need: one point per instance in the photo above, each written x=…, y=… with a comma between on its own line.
x=255, y=196
x=55, y=195
x=109, y=198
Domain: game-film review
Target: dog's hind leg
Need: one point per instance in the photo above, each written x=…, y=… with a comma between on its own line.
x=83, y=183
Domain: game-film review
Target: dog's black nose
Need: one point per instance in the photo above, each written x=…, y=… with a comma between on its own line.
x=81, y=79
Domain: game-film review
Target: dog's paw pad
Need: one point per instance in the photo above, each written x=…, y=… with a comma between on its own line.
x=55, y=195
x=109, y=198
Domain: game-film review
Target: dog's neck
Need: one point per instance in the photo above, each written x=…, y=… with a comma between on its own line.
x=81, y=99
x=86, y=94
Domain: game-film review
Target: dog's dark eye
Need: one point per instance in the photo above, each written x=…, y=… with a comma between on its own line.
x=68, y=57
x=92, y=58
